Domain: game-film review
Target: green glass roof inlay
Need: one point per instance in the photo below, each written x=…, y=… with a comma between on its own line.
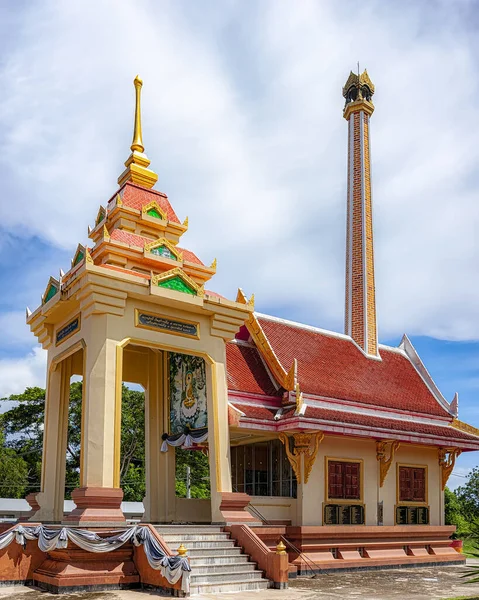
x=176, y=283
x=80, y=256
x=52, y=290
x=153, y=212
x=163, y=251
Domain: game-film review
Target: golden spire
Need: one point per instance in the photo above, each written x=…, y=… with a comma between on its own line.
x=137, y=143
x=137, y=163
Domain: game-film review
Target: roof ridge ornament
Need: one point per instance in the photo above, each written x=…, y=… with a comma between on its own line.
x=137, y=163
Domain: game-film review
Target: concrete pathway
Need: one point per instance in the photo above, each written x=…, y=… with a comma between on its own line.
x=396, y=584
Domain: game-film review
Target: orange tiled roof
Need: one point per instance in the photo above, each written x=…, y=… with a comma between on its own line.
x=334, y=367
x=132, y=239
x=135, y=196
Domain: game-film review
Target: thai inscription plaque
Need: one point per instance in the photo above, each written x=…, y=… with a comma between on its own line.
x=160, y=323
x=331, y=514
x=67, y=330
x=343, y=514
x=412, y=515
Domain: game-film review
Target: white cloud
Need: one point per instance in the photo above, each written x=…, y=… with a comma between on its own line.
x=242, y=121
x=13, y=329
x=16, y=374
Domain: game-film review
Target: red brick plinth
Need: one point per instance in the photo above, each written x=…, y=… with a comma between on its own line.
x=233, y=507
x=34, y=506
x=97, y=505
x=74, y=568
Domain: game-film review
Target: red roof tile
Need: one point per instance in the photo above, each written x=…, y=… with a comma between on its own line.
x=415, y=426
x=246, y=371
x=334, y=367
x=135, y=196
x=132, y=239
x=326, y=417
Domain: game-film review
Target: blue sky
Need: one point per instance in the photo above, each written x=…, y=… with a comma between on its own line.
x=243, y=123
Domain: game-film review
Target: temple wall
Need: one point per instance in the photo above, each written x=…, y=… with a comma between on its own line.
x=312, y=496
x=420, y=456
x=276, y=508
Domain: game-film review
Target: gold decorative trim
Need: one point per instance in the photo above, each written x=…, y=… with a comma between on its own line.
x=329, y=500
x=163, y=242
x=294, y=460
x=400, y=502
x=384, y=448
x=213, y=265
x=153, y=204
x=106, y=235
x=88, y=257
x=177, y=272
x=457, y=424
x=119, y=201
x=167, y=318
x=185, y=222
x=262, y=342
x=447, y=460
x=305, y=444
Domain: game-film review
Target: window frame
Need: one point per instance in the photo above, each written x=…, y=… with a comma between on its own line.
x=328, y=500
x=424, y=502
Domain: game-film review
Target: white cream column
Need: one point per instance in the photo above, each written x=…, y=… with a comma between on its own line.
x=55, y=438
x=97, y=499
x=218, y=438
x=160, y=499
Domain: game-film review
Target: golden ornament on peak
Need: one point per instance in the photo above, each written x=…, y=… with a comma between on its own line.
x=137, y=163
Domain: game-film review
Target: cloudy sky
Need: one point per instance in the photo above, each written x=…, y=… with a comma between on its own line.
x=243, y=123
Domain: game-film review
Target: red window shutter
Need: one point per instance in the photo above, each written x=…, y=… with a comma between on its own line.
x=335, y=476
x=344, y=480
x=405, y=484
x=419, y=484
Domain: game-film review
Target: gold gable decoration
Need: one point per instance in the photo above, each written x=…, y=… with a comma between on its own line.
x=457, y=424
x=383, y=449
x=156, y=280
x=305, y=444
x=447, y=460
x=153, y=205
x=163, y=242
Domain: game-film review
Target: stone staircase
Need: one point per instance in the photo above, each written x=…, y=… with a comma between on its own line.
x=217, y=565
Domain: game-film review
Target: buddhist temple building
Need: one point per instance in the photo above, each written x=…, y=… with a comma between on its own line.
x=332, y=442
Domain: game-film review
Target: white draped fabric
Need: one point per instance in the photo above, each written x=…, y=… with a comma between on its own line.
x=185, y=439
x=172, y=568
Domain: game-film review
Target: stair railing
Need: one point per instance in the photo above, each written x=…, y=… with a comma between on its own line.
x=311, y=565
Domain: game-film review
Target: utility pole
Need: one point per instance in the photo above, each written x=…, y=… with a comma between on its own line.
x=188, y=481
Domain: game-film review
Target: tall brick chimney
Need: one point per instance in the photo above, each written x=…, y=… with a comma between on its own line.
x=360, y=313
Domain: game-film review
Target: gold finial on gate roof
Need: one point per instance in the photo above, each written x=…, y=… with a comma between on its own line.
x=137, y=163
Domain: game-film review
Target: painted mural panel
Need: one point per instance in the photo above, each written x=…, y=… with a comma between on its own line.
x=187, y=392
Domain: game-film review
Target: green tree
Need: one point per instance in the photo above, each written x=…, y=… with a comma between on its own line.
x=200, y=473
x=23, y=428
x=454, y=514
x=468, y=496
x=13, y=472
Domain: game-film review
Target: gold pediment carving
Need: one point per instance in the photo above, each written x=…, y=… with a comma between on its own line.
x=153, y=207
x=164, y=242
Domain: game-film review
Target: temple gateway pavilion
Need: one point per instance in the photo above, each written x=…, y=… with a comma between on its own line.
x=334, y=441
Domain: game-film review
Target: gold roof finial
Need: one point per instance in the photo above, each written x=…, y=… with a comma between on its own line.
x=137, y=143
x=137, y=163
